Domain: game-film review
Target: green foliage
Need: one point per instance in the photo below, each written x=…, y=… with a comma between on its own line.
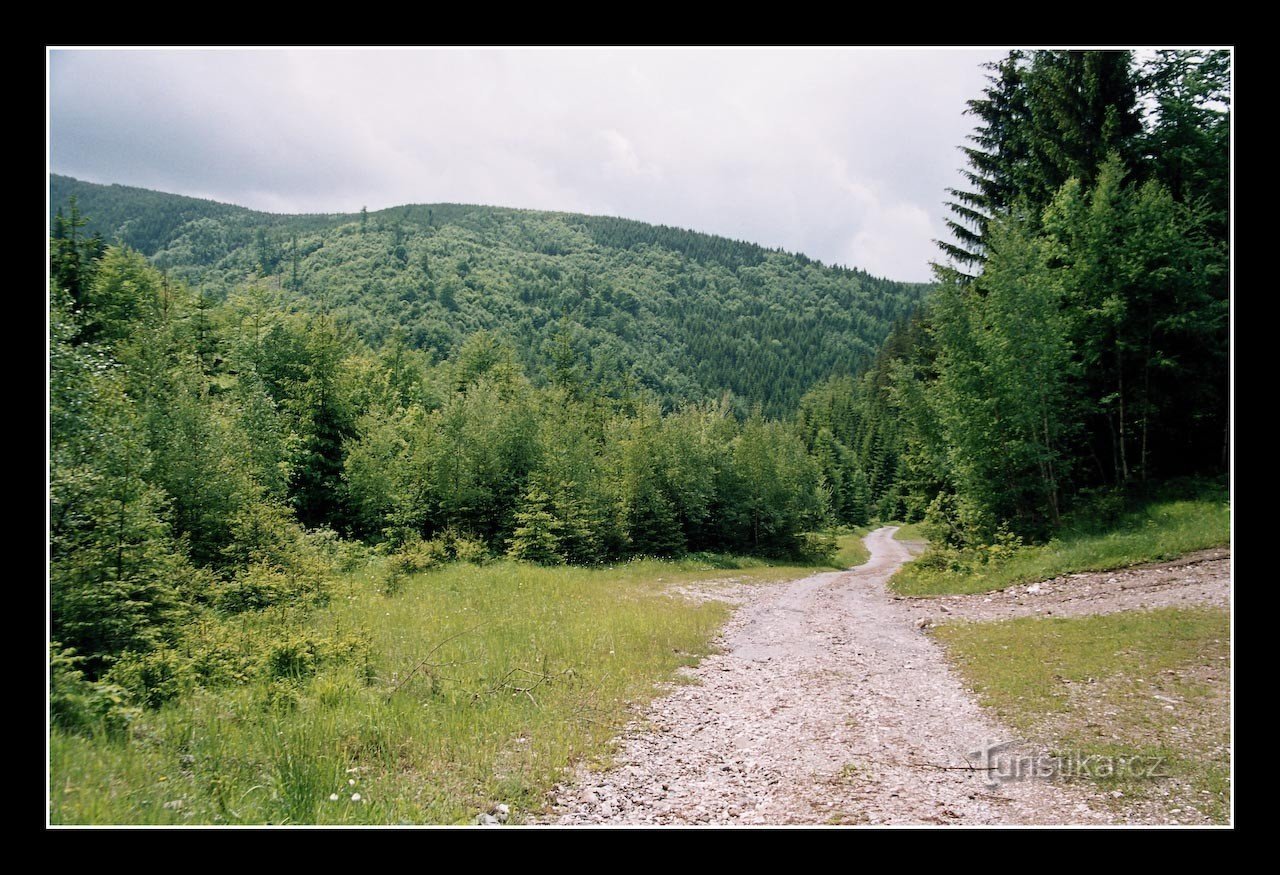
x=850, y=549
x=113, y=562
x=1185, y=518
x=125, y=292
x=1045, y=118
x=72, y=255
x=417, y=555
x=1001, y=394
x=772, y=489
x=290, y=705
x=688, y=316
x=77, y=704
x=470, y=550
x=820, y=547
x=154, y=677
x=1091, y=350
x=536, y=536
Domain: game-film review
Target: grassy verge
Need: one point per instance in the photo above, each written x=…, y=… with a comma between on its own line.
x=909, y=532
x=1155, y=531
x=850, y=550
x=480, y=685
x=1146, y=685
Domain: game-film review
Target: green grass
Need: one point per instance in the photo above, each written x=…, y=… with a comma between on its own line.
x=1136, y=684
x=909, y=532
x=1156, y=531
x=527, y=670
x=850, y=551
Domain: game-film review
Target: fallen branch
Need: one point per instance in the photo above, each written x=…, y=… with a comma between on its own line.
x=504, y=683
x=426, y=663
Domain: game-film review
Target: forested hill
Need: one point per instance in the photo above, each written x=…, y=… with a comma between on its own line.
x=684, y=314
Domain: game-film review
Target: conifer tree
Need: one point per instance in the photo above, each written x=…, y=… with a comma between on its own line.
x=536, y=536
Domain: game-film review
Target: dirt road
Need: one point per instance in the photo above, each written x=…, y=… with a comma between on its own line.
x=827, y=705
x=1200, y=578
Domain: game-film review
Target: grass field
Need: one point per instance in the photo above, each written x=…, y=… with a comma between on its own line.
x=1152, y=532
x=850, y=549
x=1148, y=686
x=909, y=532
x=480, y=685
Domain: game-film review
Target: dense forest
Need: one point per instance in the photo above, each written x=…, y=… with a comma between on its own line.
x=1076, y=350
x=687, y=316
x=211, y=457
x=242, y=404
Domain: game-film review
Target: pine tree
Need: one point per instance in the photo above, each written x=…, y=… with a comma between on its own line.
x=70, y=257
x=113, y=564
x=1046, y=117
x=1000, y=145
x=536, y=536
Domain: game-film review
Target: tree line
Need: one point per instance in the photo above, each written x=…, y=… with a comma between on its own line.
x=684, y=315
x=237, y=414
x=208, y=459
x=1077, y=344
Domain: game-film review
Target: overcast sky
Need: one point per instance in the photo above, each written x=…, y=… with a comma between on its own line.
x=843, y=155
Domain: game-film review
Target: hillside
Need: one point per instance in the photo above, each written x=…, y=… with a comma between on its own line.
x=685, y=314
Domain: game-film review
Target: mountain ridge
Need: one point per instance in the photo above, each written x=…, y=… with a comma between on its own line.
x=64, y=185
x=687, y=315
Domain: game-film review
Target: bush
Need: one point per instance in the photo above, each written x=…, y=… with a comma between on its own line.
x=213, y=653
x=80, y=705
x=819, y=547
x=262, y=586
x=418, y=555
x=469, y=550
x=154, y=677
x=341, y=555
x=297, y=656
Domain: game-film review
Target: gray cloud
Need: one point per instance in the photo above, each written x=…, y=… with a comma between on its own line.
x=841, y=154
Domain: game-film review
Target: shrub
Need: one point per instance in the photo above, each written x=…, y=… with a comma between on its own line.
x=262, y=585
x=819, y=547
x=418, y=555
x=341, y=555
x=80, y=705
x=296, y=656
x=154, y=677
x=470, y=550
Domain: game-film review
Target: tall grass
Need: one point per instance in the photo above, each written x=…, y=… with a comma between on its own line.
x=481, y=685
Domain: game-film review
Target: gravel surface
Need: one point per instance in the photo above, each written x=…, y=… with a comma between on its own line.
x=827, y=704
x=1201, y=578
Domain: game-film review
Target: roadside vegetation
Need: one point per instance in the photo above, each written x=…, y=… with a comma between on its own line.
x=1143, y=688
x=423, y=698
x=1103, y=535
x=909, y=532
x=850, y=551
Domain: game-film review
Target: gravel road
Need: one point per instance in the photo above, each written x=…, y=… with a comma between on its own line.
x=826, y=704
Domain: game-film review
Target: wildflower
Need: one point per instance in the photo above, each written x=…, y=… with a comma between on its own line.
x=355, y=797
x=351, y=782
x=333, y=797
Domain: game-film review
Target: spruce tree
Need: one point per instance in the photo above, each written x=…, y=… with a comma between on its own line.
x=536, y=536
